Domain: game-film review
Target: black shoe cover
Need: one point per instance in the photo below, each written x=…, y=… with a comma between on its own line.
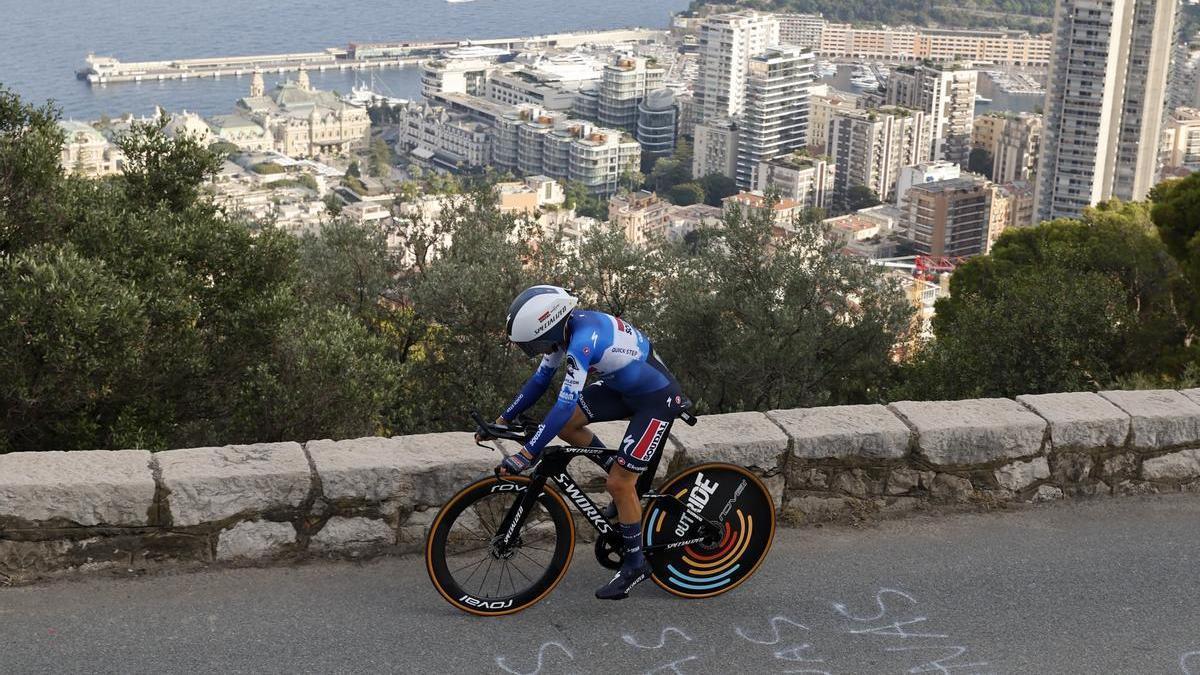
x=623, y=582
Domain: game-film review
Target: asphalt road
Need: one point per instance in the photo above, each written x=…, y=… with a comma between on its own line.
x=1109, y=586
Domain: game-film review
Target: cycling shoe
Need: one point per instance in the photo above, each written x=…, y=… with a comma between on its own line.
x=622, y=582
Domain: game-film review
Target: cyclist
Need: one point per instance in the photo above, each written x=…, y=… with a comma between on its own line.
x=633, y=384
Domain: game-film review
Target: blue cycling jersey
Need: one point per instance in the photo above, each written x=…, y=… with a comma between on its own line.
x=598, y=343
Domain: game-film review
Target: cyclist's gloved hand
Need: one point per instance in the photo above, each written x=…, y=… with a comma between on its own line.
x=515, y=463
x=481, y=437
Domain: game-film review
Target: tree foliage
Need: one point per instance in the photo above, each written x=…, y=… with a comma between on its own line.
x=686, y=194
x=139, y=315
x=1067, y=305
x=980, y=161
x=717, y=187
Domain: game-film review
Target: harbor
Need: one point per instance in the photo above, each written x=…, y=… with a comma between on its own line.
x=102, y=70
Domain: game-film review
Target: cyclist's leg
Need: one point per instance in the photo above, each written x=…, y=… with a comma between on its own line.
x=597, y=403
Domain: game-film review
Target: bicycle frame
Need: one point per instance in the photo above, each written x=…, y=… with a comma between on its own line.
x=553, y=466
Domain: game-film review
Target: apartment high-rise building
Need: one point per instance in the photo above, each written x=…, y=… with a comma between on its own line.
x=1105, y=101
x=537, y=141
x=714, y=148
x=986, y=130
x=802, y=30
x=949, y=217
x=805, y=180
x=823, y=102
x=727, y=43
x=642, y=216
x=625, y=82
x=1181, y=140
x=869, y=147
x=1151, y=51
x=926, y=172
x=947, y=94
x=774, y=120
x=1014, y=156
x=657, y=123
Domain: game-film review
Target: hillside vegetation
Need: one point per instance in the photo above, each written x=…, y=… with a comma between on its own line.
x=1034, y=15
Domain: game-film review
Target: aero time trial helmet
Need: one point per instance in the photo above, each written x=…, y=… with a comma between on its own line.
x=537, y=319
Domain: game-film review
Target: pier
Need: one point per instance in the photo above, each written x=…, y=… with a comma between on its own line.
x=356, y=56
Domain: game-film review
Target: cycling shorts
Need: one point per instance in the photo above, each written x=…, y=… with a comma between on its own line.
x=650, y=417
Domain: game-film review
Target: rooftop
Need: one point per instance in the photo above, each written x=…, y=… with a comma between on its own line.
x=951, y=184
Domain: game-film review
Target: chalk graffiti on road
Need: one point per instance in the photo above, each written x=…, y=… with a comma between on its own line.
x=775, y=621
x=673, y=666
x=541, y=653
x=1189, y=663
x=795, y=653
x=879, y=596
x=947, y=653
x=888, y=622
x=662, y=638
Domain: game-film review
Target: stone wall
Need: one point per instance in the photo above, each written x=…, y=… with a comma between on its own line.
x=130, y=510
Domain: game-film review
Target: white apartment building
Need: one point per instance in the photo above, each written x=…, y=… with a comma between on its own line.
x=869, y=147
x=658, y=123
x=1014, y=156
x=774, y=119
x=802, y=30
x=714, y=148
x=823, y=103
x=1105, y=101
x=805, y=180
x=926, y=172
x=907, y=44
x=643, y=216
x=947, y=94
x=455, y=76
x=514, y=84
x=727, y=43
x=86, y=152
x=535, y=141
x=625, y=82
x=449, y=141
x=1181, y=140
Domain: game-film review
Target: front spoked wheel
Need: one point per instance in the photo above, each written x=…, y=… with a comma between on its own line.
x=472, y=568
x=727, y=495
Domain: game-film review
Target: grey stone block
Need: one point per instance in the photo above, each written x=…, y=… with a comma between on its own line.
x=1020, y=475
x=975, y=431
x=254, y=539
x=745, y=438
x=90, y=487
x=848, y=431
x=212, y=484
x=947, y=487
x=353, y=533
x=1080, y=420
x=406, y=471
x=1182, y=465
x=1162, y=418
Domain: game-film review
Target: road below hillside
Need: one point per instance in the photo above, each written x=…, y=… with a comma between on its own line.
x=1108, y=586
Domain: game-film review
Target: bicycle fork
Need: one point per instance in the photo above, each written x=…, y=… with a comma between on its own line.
x=511, y=524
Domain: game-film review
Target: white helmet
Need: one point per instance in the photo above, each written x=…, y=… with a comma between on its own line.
x=537, y=319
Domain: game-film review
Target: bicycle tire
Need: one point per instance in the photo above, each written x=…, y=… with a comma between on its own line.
x=700, y=571
x=452, y=590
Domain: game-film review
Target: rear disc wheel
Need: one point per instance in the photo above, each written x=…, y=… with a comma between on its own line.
x=727, y=494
